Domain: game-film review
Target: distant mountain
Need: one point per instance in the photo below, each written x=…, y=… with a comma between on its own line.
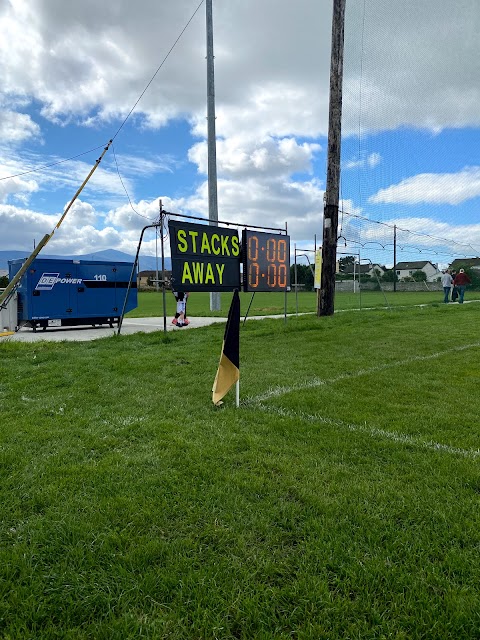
x=146, y=263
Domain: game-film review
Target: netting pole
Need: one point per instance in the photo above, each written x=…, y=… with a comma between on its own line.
x=215, y=300
x=394, y=257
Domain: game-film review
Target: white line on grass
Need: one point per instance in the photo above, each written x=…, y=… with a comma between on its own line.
x=274, y=392
x=374, y=432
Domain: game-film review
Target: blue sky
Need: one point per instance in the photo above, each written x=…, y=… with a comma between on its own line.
x=411, y=122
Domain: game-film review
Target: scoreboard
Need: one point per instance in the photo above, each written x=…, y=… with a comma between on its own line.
x=266, y=261
x=208, y=258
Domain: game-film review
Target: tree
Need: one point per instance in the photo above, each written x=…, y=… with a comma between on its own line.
x=304, y=276
x=419, y=276
x=345, y=262
x=389, y=276
x=474, y=276
x=3, y=282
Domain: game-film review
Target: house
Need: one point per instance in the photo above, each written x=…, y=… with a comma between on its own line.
x=404, y=270
x=364, y=269
x=147, y=279
x=465, y=263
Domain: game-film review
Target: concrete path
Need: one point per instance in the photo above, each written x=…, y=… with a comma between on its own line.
x=137, y=325
x=129, y=326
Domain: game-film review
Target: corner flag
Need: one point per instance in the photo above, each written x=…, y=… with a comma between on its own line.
x=228, y=372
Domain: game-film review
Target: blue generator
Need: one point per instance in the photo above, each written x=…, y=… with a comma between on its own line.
x=56, y=293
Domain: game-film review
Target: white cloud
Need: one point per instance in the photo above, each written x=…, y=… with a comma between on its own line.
x=21, y=228
x=271, y=204
x=88, y=62
x=17, y=188
x=412, y=64
x=80, y=214
x=241, y=156
x=431, y=188
x=92, y=61
x=371, y=161
x=128, y=218
x=16, y=127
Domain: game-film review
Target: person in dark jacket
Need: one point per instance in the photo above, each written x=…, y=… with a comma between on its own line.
x=454, y=288
x=460, y=282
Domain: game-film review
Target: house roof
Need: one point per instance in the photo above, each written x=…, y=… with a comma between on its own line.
x=363, y=268
x=464, y=263
x=402, y=266
x=149, y=274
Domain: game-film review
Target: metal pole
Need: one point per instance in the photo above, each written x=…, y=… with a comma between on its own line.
x=132, y=274
x=286, y=292
x=215, y=303
x=296, y=279
x=251, y=300
x=394, y=257
x=330, y=212
x=156, y=249
x=164, y=300
x=354, y=274
x=359, y=283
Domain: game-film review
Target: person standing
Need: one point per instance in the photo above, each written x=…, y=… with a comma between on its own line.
x=454, y=289
x=461, y=281
x=180, y=319
x=446, y=284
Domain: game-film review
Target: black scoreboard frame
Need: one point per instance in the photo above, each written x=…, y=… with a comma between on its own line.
x=266, y=261
x=279, y=256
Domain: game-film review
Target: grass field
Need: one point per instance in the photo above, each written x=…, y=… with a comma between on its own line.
x=340, y=501
x=150, y=304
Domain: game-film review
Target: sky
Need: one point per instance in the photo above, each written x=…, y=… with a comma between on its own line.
x=70, y=74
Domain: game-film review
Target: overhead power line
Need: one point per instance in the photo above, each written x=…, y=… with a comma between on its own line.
x=52, y=164
x=158, y=69
x=125, y=188
x=416, y=233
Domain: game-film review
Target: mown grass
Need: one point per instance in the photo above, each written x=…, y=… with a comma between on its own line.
x=340, y=501
x=150, y=304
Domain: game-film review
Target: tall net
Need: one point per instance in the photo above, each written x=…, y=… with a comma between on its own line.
x=411, y=131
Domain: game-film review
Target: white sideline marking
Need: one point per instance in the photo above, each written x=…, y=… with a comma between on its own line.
x=274, y=392
x=257, y=401
x=373, y=432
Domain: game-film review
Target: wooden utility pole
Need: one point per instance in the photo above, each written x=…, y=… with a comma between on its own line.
x=330, y=210
x=212, y=141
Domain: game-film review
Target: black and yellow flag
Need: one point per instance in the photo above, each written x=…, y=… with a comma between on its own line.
x=229, y=368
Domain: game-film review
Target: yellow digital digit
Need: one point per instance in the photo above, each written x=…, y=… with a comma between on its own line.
x=271, y=250
x=282, y=275
x=253, y=273
x=253, y=248
x=272, y=275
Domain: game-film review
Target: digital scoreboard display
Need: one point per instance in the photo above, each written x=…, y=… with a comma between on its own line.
x=266, y=261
